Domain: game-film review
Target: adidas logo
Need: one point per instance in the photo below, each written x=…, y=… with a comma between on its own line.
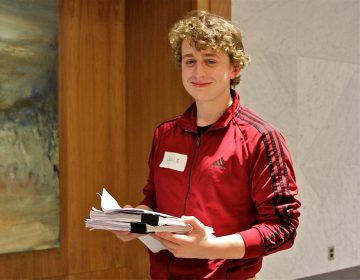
x=220, y=163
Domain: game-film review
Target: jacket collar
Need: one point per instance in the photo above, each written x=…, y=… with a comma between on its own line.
x=188, y=119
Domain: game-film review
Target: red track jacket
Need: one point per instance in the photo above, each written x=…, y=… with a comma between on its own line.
x=236, y=178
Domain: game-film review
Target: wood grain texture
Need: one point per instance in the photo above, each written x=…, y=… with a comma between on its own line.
x=219, y=7
x=154, y=90
x=92, y=93
x=154, y=93
x=116, y=84
x=92, y=142
x=109, y=274
x=201, y=5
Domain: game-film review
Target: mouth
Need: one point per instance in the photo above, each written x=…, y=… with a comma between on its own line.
x=200, y=84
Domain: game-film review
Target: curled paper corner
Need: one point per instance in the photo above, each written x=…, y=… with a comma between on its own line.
x=107, y=201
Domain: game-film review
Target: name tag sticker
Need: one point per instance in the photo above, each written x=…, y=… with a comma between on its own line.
x=174, y=161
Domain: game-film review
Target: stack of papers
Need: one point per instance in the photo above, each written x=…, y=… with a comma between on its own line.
x=133, y=220
x=113, y=217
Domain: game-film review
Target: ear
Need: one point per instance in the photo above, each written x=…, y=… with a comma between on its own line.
x=235, y=72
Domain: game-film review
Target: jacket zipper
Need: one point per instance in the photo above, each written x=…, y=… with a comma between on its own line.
x=197, y=145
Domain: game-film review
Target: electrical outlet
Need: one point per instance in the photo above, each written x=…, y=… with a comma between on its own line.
x=331, y=253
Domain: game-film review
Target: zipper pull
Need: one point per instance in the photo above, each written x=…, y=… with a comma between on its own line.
x=198, y=142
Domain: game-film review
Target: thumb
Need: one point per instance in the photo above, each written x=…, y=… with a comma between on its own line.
x=194, y=222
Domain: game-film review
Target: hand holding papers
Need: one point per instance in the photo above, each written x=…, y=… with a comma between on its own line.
x=135, y=220
x=113, y=217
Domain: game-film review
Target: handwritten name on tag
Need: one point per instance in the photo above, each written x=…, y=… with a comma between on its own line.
x=174, y=161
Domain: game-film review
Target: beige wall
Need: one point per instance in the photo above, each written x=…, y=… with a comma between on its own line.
x=304, y=78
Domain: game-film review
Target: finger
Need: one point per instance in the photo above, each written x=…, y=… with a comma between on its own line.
x=125, y=235
x=166, y=243
x=171, y=246
x=128, y=206
x=174, y=238
x=119, y=233
x=165, y=236
x=194, y=222
x=123, y=238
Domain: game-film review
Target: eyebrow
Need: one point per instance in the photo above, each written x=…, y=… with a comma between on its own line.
x=203, y=55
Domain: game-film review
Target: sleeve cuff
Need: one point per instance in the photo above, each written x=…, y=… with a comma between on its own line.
x=254, y=245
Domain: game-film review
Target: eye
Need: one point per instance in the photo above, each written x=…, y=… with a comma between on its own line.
x=211, y=61
x=190, y=61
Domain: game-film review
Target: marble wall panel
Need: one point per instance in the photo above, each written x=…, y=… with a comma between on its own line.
x=320, y=227
x=328, y=29
x=262, y=24
x=309, y=88
x=357, y=193
x=270, y=80
x=327, y=111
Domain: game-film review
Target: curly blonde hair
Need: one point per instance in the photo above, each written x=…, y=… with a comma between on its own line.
x=205, y=30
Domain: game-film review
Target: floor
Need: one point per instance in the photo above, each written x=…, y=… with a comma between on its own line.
x=345, y=274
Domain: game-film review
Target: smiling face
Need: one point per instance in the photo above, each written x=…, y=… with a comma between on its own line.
x=206, y=74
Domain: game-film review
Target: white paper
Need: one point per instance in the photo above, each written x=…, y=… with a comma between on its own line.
x=153, y=244
x=108, y=202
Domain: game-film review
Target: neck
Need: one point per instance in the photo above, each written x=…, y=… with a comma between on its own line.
x=208, y=112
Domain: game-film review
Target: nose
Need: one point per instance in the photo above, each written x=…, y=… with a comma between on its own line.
x=199, y=70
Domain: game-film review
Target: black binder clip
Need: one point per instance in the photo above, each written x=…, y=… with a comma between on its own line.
x=138, y=228
x=150, y=219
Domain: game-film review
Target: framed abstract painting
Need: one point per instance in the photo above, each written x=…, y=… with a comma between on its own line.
x=29, y=153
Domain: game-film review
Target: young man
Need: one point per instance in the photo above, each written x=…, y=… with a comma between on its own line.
x=219, y=165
